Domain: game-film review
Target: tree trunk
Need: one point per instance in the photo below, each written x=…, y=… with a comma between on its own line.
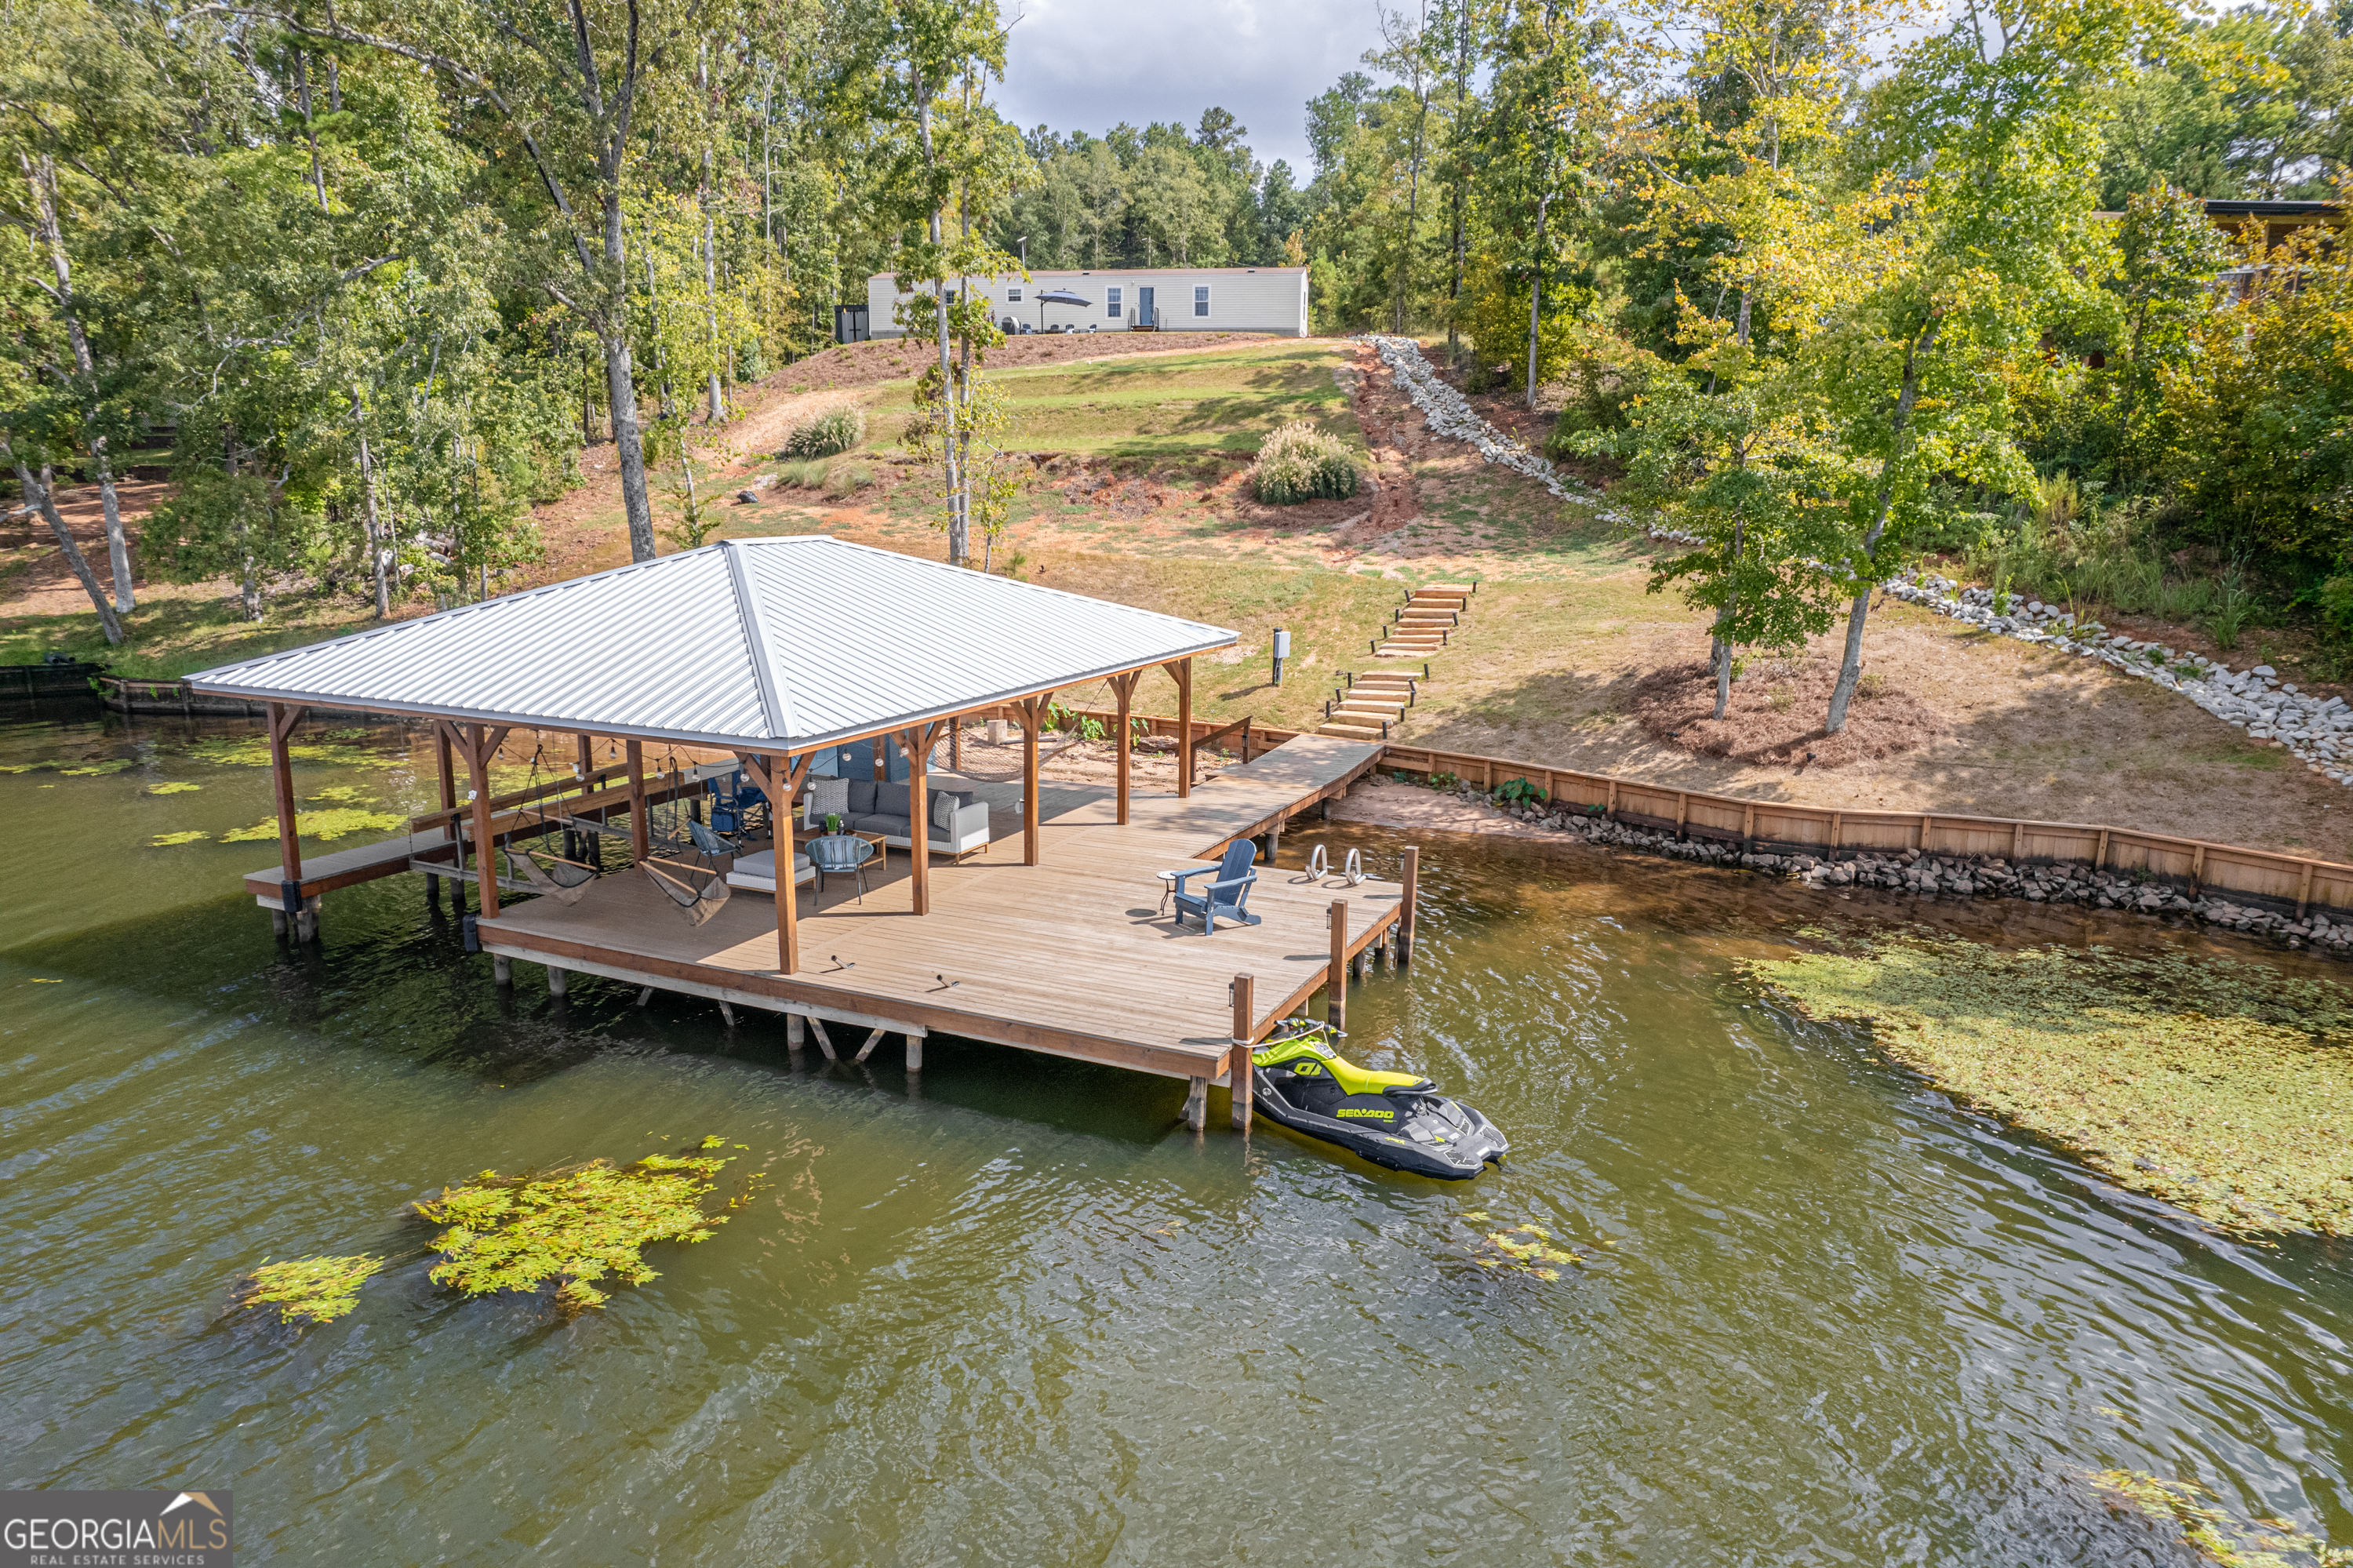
x=43, y=178
x=36, y=494
x=620, y=391
x=1850, y=663
x=1723, y=630
x=959, y=521
x=620, y=387
x=1536, y=295
x=377, y=564
x=718, y=400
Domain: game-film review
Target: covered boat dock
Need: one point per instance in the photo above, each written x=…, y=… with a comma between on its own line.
x=790, y=659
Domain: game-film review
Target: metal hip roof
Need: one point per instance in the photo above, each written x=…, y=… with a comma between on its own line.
x=766, y=644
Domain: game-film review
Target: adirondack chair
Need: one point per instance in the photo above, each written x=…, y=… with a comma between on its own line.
x=1225, y=895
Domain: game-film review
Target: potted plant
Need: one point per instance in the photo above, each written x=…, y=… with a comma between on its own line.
x=833, y=822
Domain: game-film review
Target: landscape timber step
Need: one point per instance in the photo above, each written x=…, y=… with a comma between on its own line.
x=1350, y=732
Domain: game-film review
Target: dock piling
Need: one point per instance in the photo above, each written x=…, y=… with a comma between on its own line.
x=1411, y=878
x=1335, y=974
x=1196, y=1104
x=914, y=1052
x=1245, y=1024
x=796, y=1032
x=501, y=970
x=558, y=982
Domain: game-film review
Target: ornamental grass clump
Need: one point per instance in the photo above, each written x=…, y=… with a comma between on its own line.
x=1299, y=463
x=574, y=1225
x=824, y=430
x=2223, y=1088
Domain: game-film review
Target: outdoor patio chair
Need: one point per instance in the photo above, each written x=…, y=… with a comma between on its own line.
x=712, y=844
x=839, y=853
x=1226, y=895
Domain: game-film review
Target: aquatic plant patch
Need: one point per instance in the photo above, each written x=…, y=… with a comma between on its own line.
x=188, y=836
x=309, y=1289
x=574, y=1226
x=2220, y=1086
x=332, y=823
x=1522, y=1248
x=175, y=788
x=98, y=769
x=253, y=751
x=2215, y=1533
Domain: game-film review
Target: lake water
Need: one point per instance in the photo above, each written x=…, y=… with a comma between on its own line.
x=1015, y=1314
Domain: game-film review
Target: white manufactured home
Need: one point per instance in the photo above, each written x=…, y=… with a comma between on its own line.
x=1141, y=299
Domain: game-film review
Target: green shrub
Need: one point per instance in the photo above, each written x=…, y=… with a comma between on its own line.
x=847, y=477
x=824, y=432
x=1299, y=463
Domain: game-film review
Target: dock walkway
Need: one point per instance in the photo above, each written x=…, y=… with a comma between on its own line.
x=1074, y=957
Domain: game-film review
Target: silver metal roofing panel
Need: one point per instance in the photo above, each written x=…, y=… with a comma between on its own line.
x=759, y=643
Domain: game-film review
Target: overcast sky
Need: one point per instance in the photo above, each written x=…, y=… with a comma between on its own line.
x=1086, y=65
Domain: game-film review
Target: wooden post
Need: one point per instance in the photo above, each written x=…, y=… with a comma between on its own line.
x=2017, y=840
x=1181, y=671
x=919, y=817
x=641, y=843
x=1748, y=827
x=2100, y=855
x=1238, y=1074
x=2303, y=890
x=1336, y=975
x=448, y=770
x=1926, y=825
x=1031, y=712
x=1683, y=812
x=2197, y=869
x=1123, y=688
x=283, y=717
x=482, y=744
x=779, y=779
x=1838, y=825
x=1405, y=906
x=914, y=1052
x=956, y=744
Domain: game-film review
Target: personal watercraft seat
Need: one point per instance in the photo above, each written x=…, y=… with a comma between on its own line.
x=1307, y=1058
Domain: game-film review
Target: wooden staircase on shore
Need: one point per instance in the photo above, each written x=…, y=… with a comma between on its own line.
x=1420, y=629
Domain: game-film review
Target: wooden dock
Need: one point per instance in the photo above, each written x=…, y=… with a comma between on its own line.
x=1075, y=957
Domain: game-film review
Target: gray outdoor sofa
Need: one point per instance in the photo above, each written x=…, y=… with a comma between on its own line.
x=959, y=818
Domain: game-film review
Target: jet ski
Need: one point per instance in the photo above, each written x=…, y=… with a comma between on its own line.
x=1395, y=1119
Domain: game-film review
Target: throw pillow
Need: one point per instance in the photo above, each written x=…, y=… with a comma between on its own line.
x=827, y=795
x=944, y=809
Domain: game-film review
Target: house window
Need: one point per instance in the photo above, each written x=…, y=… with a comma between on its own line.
x=1012, y=296
x=1110, y=303
x=1200, y=298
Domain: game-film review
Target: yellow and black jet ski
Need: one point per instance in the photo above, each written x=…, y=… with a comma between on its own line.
x=1395, y=1119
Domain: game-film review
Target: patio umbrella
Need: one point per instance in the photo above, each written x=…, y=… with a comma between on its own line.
x=1057, y=297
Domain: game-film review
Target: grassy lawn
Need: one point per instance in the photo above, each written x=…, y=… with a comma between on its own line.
x=1175, y=406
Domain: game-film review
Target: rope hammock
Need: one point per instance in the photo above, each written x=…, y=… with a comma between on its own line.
x=1015, y=776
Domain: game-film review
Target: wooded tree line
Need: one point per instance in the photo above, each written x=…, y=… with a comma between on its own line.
x=1828, y=281
x=365, y=274
x=1821, y=278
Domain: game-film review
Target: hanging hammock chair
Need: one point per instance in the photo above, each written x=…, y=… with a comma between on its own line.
x=698, y=889
x=540, y=869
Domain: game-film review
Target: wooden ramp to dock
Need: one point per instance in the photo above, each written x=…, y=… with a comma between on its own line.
x=1074, y=957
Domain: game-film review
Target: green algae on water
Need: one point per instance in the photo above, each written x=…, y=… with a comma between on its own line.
x=2213, y=1532
x=176, y=788
x=573, y=1225
x=332, y=823
x=309, y=1289
x=2221, y=1086
x=166, y=841
x=253, y=751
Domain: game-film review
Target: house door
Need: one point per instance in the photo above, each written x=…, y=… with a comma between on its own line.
x=1144, y=306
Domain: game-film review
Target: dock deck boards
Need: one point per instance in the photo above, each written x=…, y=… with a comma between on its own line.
x=1070, y=957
